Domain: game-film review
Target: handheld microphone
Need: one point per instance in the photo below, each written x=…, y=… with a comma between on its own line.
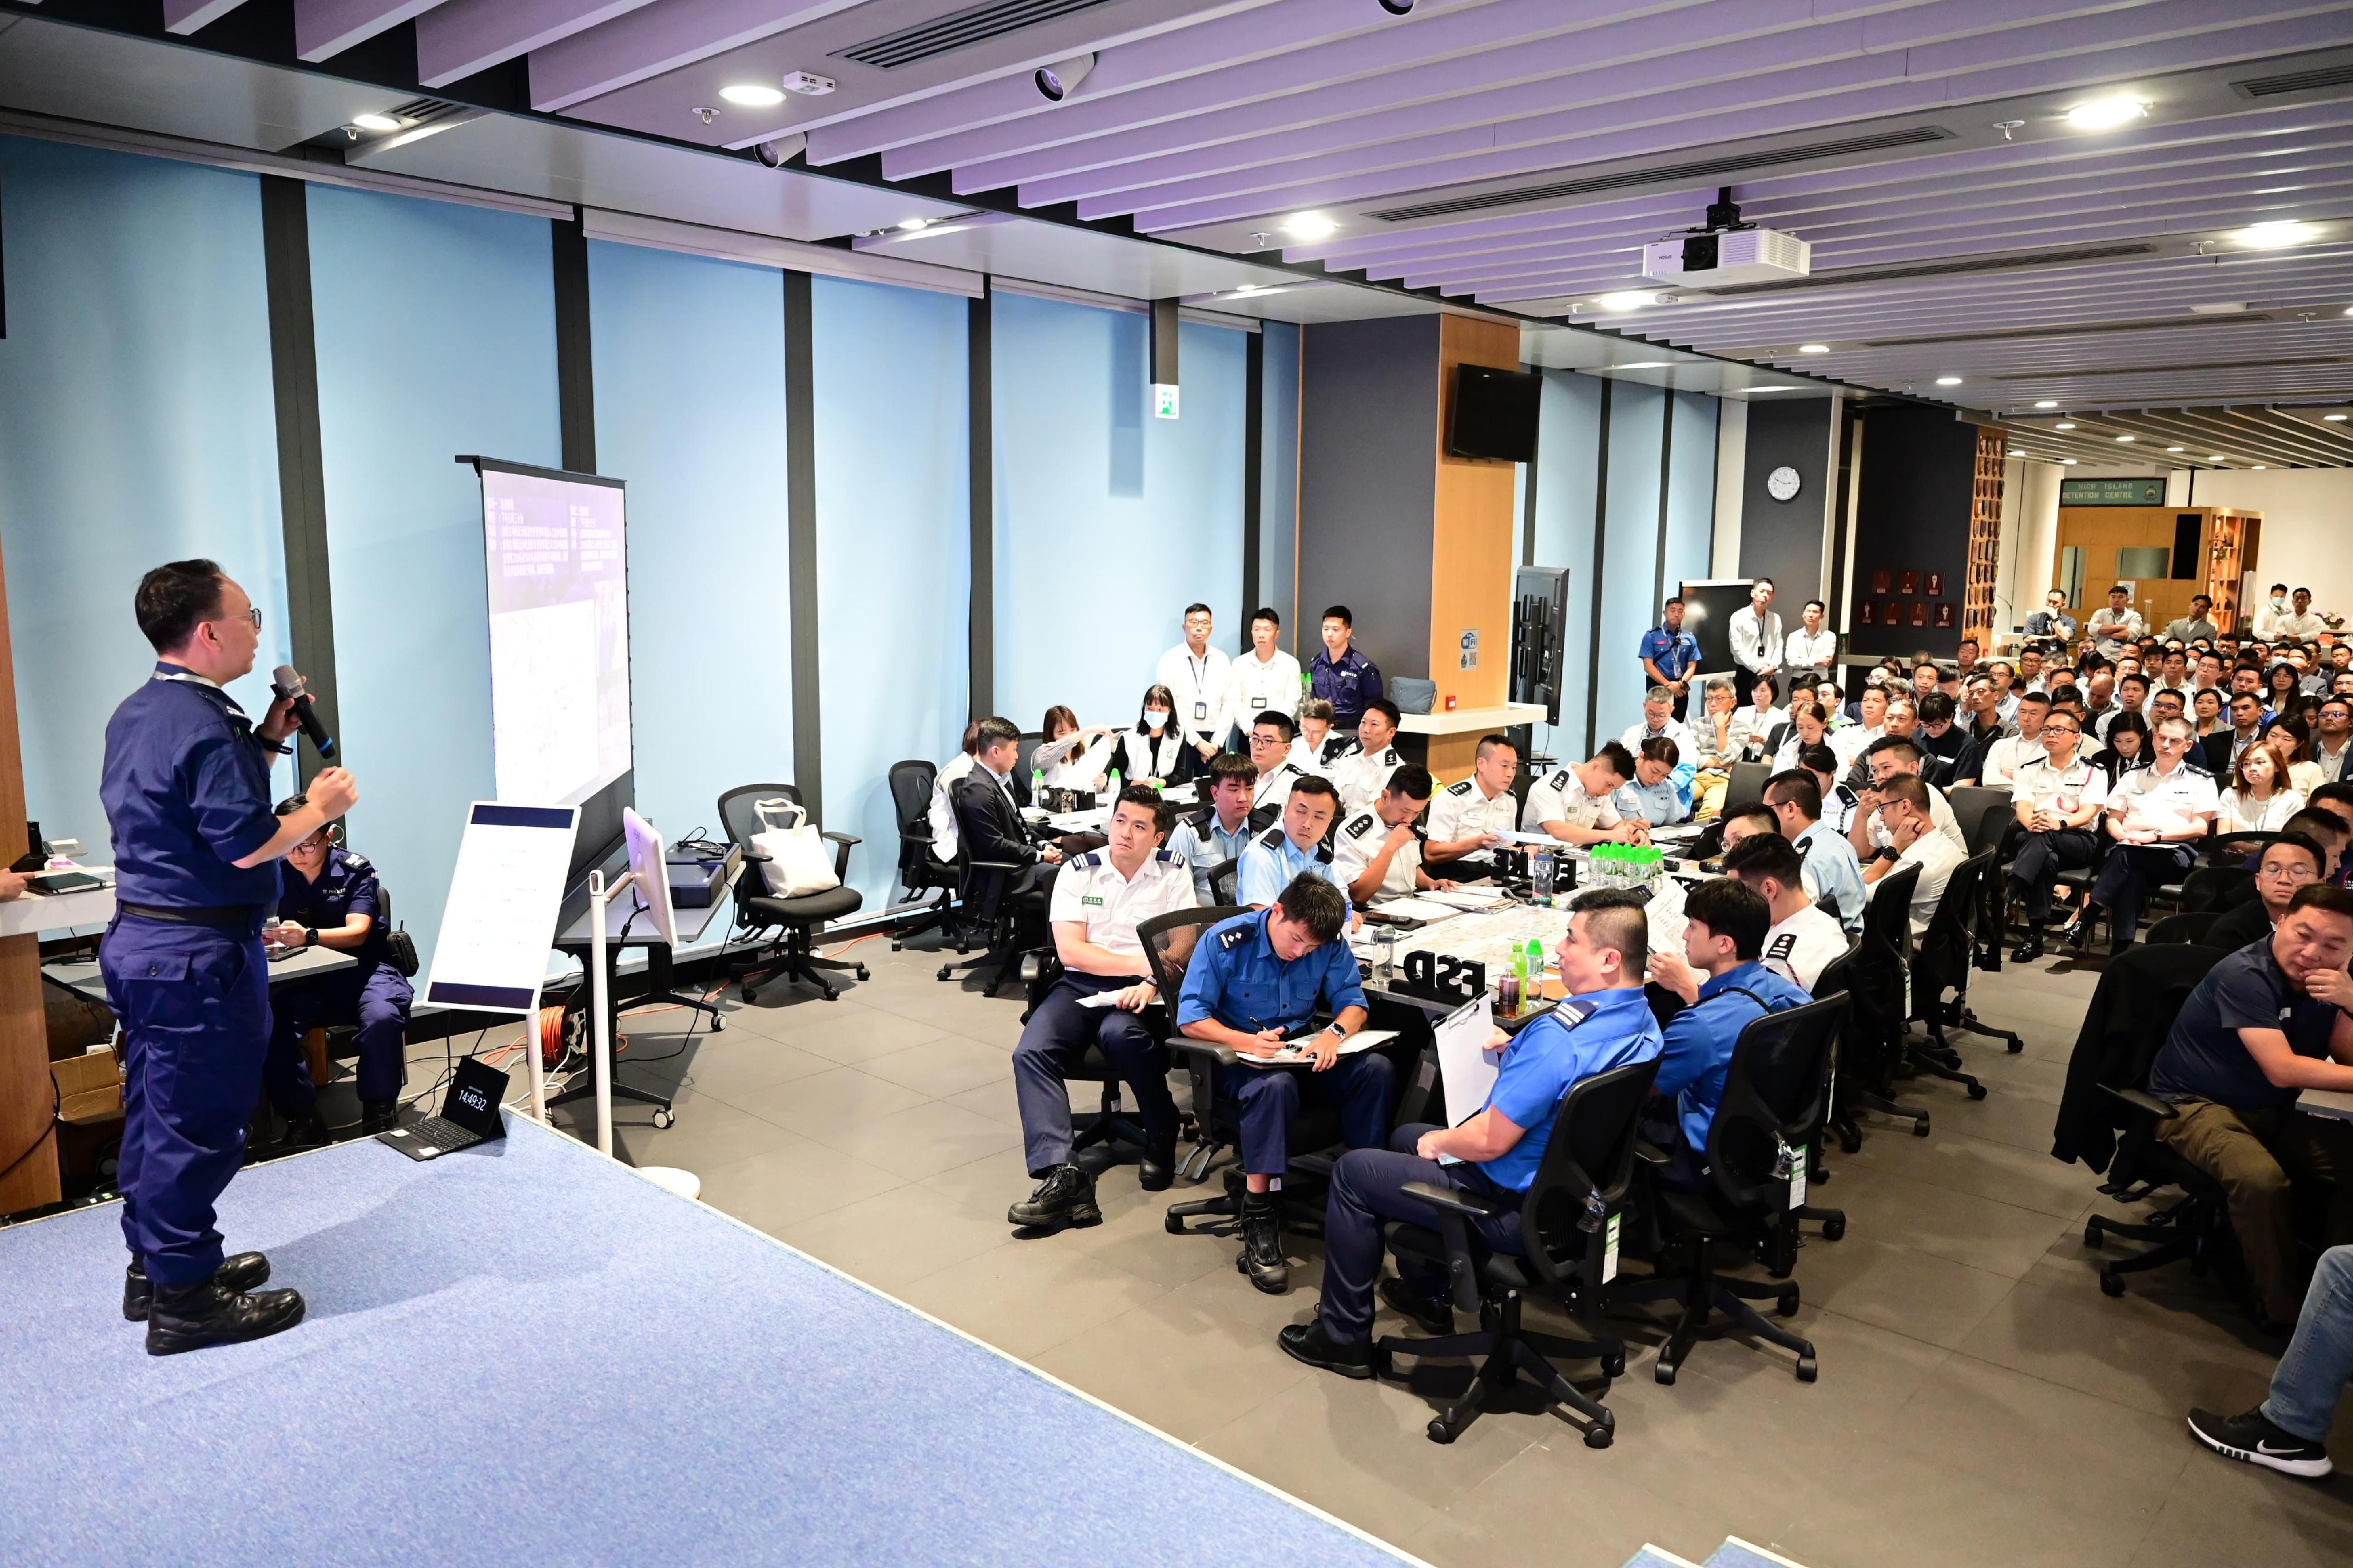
x=286, y=683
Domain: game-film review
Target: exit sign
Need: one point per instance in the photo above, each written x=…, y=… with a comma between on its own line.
x=2111, y=492
x=1163, y=400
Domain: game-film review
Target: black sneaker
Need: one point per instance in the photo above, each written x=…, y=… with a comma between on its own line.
x=1261, y=1256
x=2253, y=1439
x=1431, y=1314
x=206, y=1314
x=1066, y=1197
x=238, y=1271
x=1308, y=1343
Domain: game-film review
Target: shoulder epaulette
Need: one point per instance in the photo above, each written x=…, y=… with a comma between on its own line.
x=1232, y=939
x=1462, y=788
x=1272, y=839
x=1559, y=780
x=1359, y=825
x=1089, y=860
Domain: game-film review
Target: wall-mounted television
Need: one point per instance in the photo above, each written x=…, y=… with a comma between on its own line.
x=1493, y=414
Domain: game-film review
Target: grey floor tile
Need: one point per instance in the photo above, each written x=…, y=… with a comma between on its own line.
x=829, y=1101
x=1028, y=1298
x=994, y=1100
x=1960, y=1227
x=853, y=1034
x=798, y=1181
x=1979, y=1166
x=706, y=1133
x=2219, y=1512
x=943, y=1066
x=744, y=1064
x=1189, y=1361
x=1899, y=1289
x=896, y=1238
x=921, y=1141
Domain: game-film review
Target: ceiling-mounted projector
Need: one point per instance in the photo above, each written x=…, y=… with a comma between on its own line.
x=1726, y=252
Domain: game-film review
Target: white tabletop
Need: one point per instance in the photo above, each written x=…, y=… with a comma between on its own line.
x=1463, y=721
x=38, y=912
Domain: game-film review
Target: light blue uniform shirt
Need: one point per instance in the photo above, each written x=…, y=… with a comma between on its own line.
x=1659, y=805
x=1594, y=1033
x=1272, y=860
x=1700, y=1038
x=1202, y=842
x=1833, y=876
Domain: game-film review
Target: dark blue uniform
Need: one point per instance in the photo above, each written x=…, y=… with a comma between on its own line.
x=1350, y=683
x=375, y=995
x=1236, y=978
x=187, y=791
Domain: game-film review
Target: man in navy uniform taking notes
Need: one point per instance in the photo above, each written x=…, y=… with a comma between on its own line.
x=187, y=791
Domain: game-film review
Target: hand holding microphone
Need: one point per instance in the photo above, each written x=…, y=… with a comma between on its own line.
x=294, y=694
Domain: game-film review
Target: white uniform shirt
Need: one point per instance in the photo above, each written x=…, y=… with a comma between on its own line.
x=1850, y=743
x=1460, y=811
x=1560, y=796
x=2167, y=803
x=1800, y=948
x=1311, y=760
x=942, y=815
x=1802, y=649
x=1090, y=889
x=1273, y=788
x=1079, y=771
x=1940, y=812
x=1937, y=857
x=2064, y=790
x=1362, y=776
x=1756, y=645
x=1253, y=688
x=1751, y=728
x=1199, y=681
x=1361, y=837
x=2005, y=757
x=1686, y=743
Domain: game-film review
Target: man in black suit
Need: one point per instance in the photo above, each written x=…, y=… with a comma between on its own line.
x=2223, y=747
x=988, y=822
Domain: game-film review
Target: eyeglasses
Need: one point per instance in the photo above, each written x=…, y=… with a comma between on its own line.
x=252, y=610
x=2290, y=873
x=2051, y=729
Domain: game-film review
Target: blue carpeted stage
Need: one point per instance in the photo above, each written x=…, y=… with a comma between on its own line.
x=526, y=1353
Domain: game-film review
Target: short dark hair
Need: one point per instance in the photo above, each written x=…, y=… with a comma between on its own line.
x=1197, y=606
x=1799, y=788
x=994, y=730
x=2338, y=793
x=1227, y=765
x=1489, y=743
x=1620, y=922
x=1339, y=613
x=1819, y=760
x=1316, y=784
x=1672, y=599
x=1264, y=614
x=1896, y=745
x=1661, y=749
x=1412, y=781
x=2026, y=697
x=1773, y=682
x=1315, y=903
x=1907, y=788
x=1728, y=907
x=1762, y=855
x=1281, y=720
x=1620, y=759
x=1756, y=812
x=972, y=738
x=2132, y=675
x=176, y=598
x=1935, y=708
x=1385, y=708
x=1149, y=798
x=2292, y=840
x=2323, y=896
x=1753, y=582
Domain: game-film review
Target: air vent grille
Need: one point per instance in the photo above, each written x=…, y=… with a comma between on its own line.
x=2295, y=82
x=1698, y=172
x=422, y=110
x=2097, y=329
x=957, y=30
x=1946, y=268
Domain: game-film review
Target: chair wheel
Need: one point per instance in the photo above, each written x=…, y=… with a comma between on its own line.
x=1613, y=1365
x=1176, y=1226
x=898, y=947
x=1807, y=1370
x=1663, y=1373
x=945, y=970
x=717, y=1022
x=2111, y=1284
x=861, y=973
x=664, y=1119
x=1596, y=1436
x=1977, y=1091
x=1786, y=1304
x=1834, y=1229
x=751, y=993
x=1920, y=1128
x=2092, y=1233
x=1440, y=1432
x=1851, y=1143
x=2016, y=1046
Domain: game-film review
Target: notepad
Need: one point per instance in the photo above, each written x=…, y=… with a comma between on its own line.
x=1466, y=898
x=1414, y=909
x=1294, y=1053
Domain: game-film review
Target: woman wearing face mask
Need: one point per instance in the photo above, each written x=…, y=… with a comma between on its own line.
x=1155, y=752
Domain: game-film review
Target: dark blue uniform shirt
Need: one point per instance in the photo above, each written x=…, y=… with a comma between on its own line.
x=1697, y=1054
x=1347, y=683
x=346, y=887
x=1236, y=978
x=187, y=791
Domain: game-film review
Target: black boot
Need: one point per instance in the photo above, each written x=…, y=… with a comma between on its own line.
x=378, y=1116
x=1308, y=1343
x=308, y=1130
x=1066, y=1197
x=1261, y=1256
x=206, y=1314
x=1159, y=1167
x=240, y=1271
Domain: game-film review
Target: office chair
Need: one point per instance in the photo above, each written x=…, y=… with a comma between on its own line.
x=1110, y=1122
x=1988, y=825
x=1223, y=876
x=1024, y=762
x=1564, y=1245
x=2235, y=848
x=1830, y=983
x=2216, y=887
x=1836, y=980
x=2188, y=929
x=920, y=871
x=1942, y=962
x=1876, y=982
x=800, y=920
x=1004, y=913
x=1745, y=786
x=1773, y=1092
x=2139, y=999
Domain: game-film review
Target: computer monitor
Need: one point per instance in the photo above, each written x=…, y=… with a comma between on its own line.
x=649, y=872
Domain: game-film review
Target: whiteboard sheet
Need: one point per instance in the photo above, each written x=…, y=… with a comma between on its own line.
x=504, y=896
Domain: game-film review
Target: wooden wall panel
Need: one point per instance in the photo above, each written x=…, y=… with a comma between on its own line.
x=27, y=1101
x=1473, y=538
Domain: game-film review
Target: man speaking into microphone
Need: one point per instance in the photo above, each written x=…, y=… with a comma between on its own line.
x=187, y=797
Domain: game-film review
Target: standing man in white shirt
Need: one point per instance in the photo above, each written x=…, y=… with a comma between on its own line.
x=1756, y=633
x=1265, y=680
x=2117, y=624
x=1199, y=674
x=1802, y=941
x=1465, y=818
x=1916, y=842
x=2154, y=815
x=2057, y=798
x=1576, y=804
x=1810, y=652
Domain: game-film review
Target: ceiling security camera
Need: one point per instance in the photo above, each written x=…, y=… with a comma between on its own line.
x=1059, y=81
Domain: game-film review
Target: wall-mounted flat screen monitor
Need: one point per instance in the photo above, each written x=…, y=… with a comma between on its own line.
x=1493, y=414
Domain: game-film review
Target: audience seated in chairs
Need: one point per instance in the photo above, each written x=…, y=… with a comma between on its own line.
x=1802, y=941
x=988, y=822
x=2057, y=798
x=1214, y=835
x=1914, y=841
x=2289, y=862
x=1605, y=1024
x=2154, y=815
x=2266, y=1023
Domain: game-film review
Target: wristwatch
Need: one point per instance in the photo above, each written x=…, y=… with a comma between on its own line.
x=310, y=937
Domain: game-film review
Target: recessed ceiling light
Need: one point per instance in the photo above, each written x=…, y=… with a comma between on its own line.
x=2173, y=448
x=2276, y=233
x=375, y=122
x=915, y=225
x=2216, y=457
x=2064, y=425
x=2047, y=403
x=1627, y=299
x=1948, y=381
x=1641, y=365
x=2218, y=308
x=2069, y=461
x=1825, y=348
x=752, y=95
x=2106, y=114
x=1309, y=226
x=2125, y=438
x=2259, y=467
x=2334, y=418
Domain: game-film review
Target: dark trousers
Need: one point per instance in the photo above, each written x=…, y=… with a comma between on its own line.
x=194, y=1002
x=1055, y=1041
x=2040, y=859
x=1269, y=1098
x=1368, y=1189
x=375, y=996
x=2127, y=876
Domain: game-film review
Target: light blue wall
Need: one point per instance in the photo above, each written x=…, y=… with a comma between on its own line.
x=893, y=550
x=689, y=364
x=436, y=337
x=136, y=426
x=1278, y=525
x=1691, y=491
x=1631, y=555
x=1108, y=521
x=1569, y=450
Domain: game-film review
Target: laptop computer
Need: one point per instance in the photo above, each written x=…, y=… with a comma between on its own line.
x=470, y=1115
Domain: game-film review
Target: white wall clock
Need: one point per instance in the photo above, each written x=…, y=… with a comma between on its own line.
x=1782, y=483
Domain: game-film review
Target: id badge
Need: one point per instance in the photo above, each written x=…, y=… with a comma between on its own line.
x=1200, y=711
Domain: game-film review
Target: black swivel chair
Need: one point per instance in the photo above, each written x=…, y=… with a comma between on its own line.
x=1567, y=1249
x=800, y=921
x=1988, y=822
x=2188, y=929
x=1024, y=762
x=1876, y=982
x=2216, y=887
x=1773, y=1094
x=1745, y=786
x=921, y=872
x=2235, y=848
x=1223, y=876
x=1941, y=963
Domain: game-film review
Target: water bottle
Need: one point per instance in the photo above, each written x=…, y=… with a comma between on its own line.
x=1036, y=787
x=1541, y=871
